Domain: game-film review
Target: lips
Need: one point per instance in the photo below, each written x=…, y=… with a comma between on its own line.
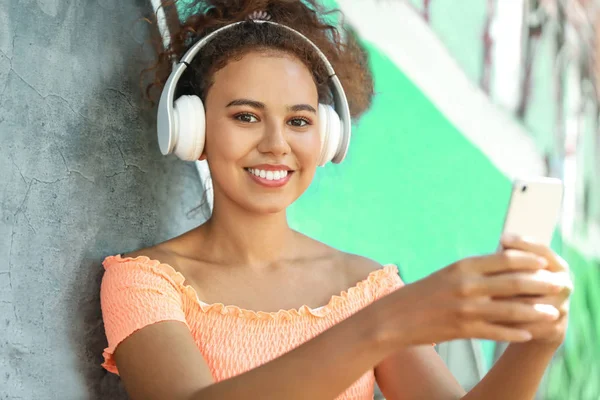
x=269, y=174
x=271, y=167
x=269, y=177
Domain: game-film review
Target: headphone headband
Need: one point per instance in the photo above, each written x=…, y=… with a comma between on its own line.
x=167, y=124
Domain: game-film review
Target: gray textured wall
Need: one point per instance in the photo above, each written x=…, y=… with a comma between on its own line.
x=81, y=177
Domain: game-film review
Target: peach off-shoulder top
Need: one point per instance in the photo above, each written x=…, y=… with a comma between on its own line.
x=136, y=292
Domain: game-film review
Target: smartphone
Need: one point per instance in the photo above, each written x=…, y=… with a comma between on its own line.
x=534, y=208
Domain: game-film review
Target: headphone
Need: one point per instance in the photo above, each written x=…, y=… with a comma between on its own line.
x=181, y=123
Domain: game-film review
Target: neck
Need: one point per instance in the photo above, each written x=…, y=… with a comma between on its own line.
x=237, y=236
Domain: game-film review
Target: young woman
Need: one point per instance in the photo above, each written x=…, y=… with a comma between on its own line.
x=243, y=307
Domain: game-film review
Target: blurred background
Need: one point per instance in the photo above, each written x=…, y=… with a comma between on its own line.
x=469, y=96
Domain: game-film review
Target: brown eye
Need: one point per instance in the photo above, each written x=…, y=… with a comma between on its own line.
x=246, y=117
x=299, y=122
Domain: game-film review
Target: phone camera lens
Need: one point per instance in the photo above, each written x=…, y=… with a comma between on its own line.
x=524, y=189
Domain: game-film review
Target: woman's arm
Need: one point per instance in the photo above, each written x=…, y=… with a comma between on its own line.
x=516, y=375
x=162, y=361
x=419, y=373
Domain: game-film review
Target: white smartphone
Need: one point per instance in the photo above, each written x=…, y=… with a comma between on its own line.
x=534, y=208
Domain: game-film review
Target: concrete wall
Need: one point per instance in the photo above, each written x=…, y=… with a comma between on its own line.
x=81, y=177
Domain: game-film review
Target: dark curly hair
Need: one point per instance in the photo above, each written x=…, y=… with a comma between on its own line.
x=338, y=44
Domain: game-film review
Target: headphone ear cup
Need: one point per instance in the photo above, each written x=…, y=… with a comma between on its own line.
x=330, y=130
x=191, y=126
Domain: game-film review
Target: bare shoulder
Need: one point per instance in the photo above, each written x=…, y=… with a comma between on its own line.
x=347, y=268
x=172, y=250
x=160, y=252
x=356, y=267
x=360, y=267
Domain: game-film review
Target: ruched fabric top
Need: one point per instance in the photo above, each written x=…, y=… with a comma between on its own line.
x=136, y=292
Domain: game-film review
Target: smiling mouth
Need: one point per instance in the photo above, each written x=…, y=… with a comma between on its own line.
x=270, y=175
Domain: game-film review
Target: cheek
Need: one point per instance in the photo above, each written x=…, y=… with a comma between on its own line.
x=223, y=142
x=308, y=149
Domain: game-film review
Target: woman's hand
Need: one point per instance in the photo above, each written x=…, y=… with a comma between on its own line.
x=478, y=297
x=547, y=332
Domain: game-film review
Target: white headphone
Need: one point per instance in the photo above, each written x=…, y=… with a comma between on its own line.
x=181, y=124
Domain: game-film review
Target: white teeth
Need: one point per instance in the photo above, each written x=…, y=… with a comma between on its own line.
x=269, y=175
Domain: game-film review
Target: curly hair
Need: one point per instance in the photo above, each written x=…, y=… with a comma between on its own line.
x=338, y=44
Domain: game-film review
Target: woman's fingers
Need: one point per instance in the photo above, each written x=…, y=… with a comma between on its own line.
x=553, y=331
x=561, y=304
x=555, y=262
x=538, y=283
x=514, y=312
x=500, y=333
x=505, y=261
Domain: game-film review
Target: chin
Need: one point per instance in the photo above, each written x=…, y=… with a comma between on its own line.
x=265, y=207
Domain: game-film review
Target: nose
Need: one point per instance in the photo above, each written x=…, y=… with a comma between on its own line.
x=274, y=139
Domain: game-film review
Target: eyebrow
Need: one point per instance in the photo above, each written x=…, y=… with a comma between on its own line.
x=302, y=107
x=261, y=106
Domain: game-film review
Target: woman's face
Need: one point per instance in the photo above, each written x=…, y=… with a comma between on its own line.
x=262, y=139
